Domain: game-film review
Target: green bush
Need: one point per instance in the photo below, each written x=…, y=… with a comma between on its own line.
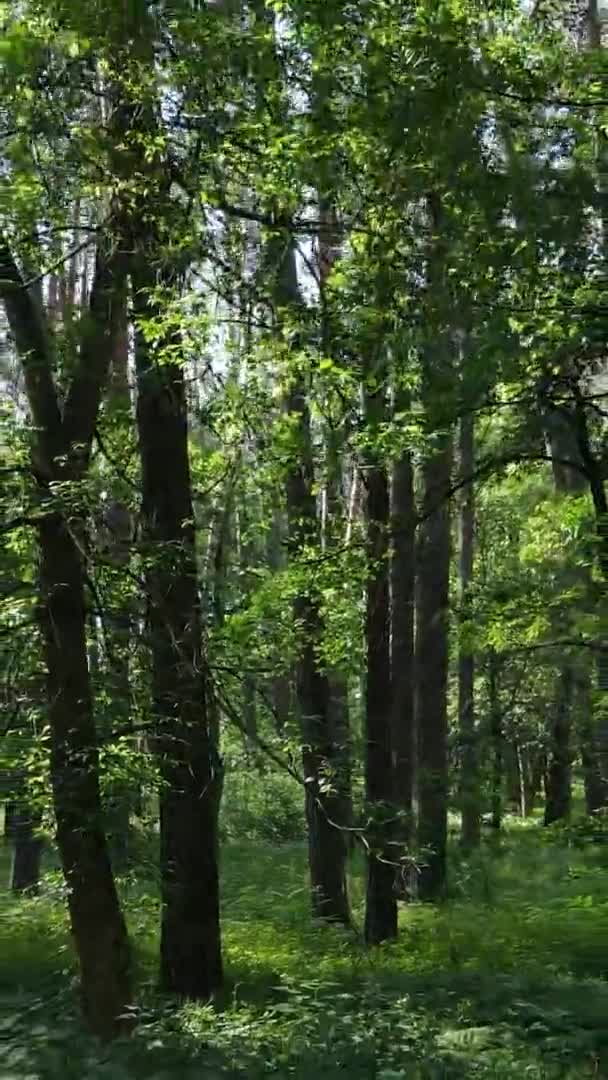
x=268, y=807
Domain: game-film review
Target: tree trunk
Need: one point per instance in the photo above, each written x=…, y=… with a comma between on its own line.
x=433, y=570
x=60, y=455
x=382, y=861
x=469, y=771
x=320, y=758
x=97, y=924
x=496, y=743
x=558, y=773
x=402, y=570
x=10, y=811
x=27, y=853
x=191, y=959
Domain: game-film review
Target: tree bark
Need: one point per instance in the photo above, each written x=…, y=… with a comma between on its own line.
x=382, y=861
x=191, y=958
x=469, y=771
x=433, y=568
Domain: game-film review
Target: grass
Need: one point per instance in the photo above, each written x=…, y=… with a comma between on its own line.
x=507, y=979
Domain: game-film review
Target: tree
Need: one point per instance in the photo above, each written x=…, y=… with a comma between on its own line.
x=60, y=456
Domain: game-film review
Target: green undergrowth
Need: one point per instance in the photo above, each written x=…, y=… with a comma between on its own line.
x=506, y=979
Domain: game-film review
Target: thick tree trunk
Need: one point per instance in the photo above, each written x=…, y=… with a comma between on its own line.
x=97, y=924
x=191, y=959
x=383, y=859
x=27, y=853
x=402, y=570
x=469, y=770
x=558, y=772
x=432, y=599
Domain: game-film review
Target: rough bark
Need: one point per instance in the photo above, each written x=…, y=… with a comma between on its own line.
x=469, y=772
x=191, y=958
x=382, y=861
x=433, y=574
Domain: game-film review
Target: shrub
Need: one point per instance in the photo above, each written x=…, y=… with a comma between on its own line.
x=268, y=807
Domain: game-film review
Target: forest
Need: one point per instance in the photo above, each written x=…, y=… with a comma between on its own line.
x=303, y=539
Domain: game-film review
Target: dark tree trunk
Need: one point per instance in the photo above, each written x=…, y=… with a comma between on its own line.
x=593, y=742
x=558, y=791
x=433, y=573
x=341, y=737
x=320, y=758
x=61, y=455
x=402, y=570
x=27, y=852
x=496, y=743
x=469, y=770
x=97, y=923
x=536, y=771
x=10, y=810
x=191, y=959
x=382, y=862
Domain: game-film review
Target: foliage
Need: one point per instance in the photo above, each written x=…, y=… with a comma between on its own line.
x=505, y=980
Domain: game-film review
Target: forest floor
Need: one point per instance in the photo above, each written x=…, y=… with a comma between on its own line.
x=508, y=978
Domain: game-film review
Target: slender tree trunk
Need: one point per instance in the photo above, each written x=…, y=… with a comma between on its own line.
x=27, y=853
x=10, y=811
x=558, y=773
x=433, y=570
x=469, y=770
x=496, y=743
x=402, y=581
x=321, y=762
x=191, y=959
x=382, y=862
